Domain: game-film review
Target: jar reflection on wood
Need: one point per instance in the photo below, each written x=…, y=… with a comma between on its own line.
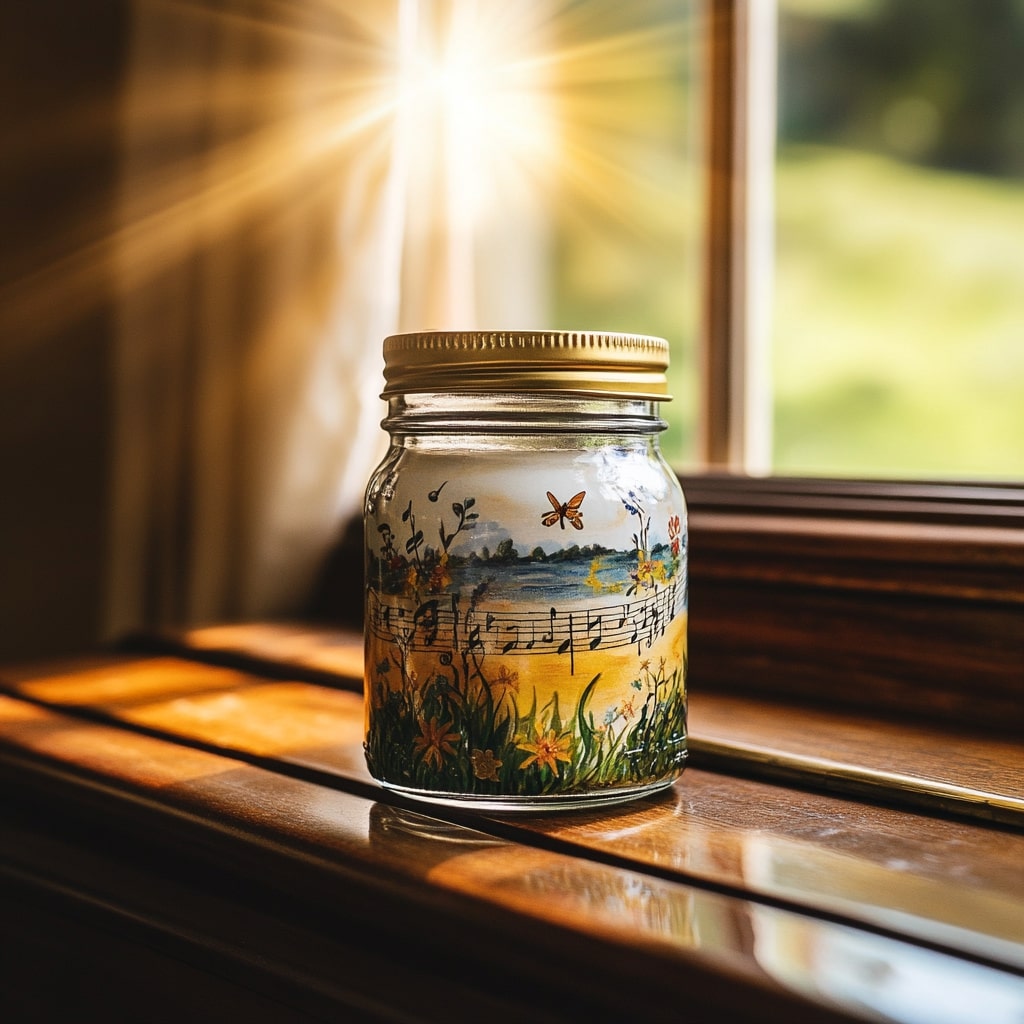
x=526, y=583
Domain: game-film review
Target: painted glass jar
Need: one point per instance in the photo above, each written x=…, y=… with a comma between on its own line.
x=526, y=582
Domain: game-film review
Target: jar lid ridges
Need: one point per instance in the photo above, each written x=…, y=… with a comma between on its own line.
x=573, y=362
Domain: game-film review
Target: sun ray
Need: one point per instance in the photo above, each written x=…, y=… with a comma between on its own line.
x=541, y=104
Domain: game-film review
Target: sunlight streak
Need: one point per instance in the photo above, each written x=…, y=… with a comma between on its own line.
x=489, y=110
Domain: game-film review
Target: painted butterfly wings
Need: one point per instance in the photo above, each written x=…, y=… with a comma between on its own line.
x=567, y=510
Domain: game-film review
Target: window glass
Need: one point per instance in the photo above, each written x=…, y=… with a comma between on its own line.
x=556, y=173
x=898, y=333
x=628, y=206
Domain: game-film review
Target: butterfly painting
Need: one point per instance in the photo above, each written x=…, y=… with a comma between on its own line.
x=566, y=510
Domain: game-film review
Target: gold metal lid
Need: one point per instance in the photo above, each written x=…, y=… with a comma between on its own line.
x=587, y=363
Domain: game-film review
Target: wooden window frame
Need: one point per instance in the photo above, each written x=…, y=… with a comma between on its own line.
x=898, y=598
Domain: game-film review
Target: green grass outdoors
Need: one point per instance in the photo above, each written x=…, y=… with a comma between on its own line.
x=898, y=340
x=898, y=324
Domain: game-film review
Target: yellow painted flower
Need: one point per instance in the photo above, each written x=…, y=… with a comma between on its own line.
x=435, y=741
x=485, y=764
x=546, y=750
x=648, y=572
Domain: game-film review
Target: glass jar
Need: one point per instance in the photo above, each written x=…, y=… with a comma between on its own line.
x=526, y=583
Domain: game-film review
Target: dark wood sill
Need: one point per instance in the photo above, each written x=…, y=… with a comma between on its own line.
x=810, y=747
x=897, y=600
x=202, y=810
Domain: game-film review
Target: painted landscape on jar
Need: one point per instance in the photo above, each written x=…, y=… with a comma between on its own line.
x=504, y=673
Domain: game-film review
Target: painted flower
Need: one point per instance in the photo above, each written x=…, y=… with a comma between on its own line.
x=546, y=750
x=627, y=710
x=507, y=679
x=648, y=573
x=435, y=741
x=440, y=578
x=674, y=531
x=485, y=765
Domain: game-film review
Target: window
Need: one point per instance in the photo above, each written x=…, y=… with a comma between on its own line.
x=896, y=337
x=250, y=198
x=557, y=178
x=858, y=288
x=871, y=310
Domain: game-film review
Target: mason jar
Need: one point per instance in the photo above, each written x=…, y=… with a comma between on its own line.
x=526, y=581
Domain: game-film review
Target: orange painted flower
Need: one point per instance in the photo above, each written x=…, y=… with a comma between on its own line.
x=485, y=765
x=435, y=741
x=440, y=578
x=674, y=530
x=507, y=679
x=546, y=750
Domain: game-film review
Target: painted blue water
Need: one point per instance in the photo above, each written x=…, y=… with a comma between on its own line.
x=541, y=582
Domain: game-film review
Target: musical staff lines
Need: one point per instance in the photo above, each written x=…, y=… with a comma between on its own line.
x=440, y=624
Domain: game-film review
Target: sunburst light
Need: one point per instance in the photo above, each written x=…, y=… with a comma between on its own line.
x=466, y=112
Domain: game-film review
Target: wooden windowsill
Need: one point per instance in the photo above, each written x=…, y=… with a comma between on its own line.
x=741, y=891
x=806, y=746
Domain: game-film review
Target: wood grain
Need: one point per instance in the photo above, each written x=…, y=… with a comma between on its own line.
x=321, y=899
x=943, y=882
x=812, y=747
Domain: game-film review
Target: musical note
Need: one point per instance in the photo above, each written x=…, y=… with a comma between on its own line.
x=426, y=617
x=637, y=635
x=549, y=636
x=566, y=645
x=514, y=642
x=443, y=623
x=455, y=619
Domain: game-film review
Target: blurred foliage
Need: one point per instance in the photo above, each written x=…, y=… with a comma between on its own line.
x=935, y=81
x=899, y=339
x=898, y=342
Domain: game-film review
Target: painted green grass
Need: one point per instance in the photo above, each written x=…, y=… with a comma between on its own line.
x=445, y=736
